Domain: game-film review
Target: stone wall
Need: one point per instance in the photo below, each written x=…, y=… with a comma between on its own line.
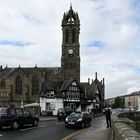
x=133, y=115
x=123, y=129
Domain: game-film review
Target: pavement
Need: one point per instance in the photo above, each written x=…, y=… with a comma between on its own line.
x=97, y=131
x=47, y=118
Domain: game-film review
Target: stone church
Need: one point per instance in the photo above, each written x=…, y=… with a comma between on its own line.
x=28, y=84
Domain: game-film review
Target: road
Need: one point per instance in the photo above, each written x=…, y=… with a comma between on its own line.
x=47, y=130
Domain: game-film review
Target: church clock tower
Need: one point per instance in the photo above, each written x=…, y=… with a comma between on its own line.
x=70, y=60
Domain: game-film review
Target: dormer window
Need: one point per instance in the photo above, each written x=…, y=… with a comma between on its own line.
x=50, y=94
x=74, y=84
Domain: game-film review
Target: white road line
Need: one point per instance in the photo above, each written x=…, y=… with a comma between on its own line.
x=1, y=135
x=33, y=128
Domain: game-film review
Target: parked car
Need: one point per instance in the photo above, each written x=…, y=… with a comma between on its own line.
x=61, y=114
x=15, y=117
x=128, y=109
x=116, y=111
x=78, y=119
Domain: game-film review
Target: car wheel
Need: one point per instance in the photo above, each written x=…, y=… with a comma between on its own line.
x=35, y=123
x=15, y=125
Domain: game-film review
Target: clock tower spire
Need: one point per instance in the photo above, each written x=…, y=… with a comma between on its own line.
x=70, y=60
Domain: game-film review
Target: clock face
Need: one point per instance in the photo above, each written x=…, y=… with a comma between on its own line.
x=70, y=51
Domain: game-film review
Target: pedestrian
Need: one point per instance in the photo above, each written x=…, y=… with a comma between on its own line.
x=108, y=116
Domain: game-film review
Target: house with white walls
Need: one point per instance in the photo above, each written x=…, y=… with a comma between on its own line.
x=72, y=95
x=133, y=100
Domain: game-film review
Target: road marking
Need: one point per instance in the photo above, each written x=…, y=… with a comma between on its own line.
x=74, y=134
x=33, y=128
x=1, y=135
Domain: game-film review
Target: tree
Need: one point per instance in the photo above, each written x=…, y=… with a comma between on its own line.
x=118, y=102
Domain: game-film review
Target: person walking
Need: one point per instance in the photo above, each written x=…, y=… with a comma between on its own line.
x=108, y=117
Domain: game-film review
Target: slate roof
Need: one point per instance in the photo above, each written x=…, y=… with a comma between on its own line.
x=85, y=88
x=6, y=72
x=90, y=89
x=66, y=84
x=51, y=72
x=54, y=72
x=55, y=86
x=137, y=93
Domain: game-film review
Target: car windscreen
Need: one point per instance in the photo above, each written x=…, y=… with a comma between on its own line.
x=76, y=115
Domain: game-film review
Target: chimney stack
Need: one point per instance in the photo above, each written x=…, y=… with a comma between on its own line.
x=103, y=81
x=89, y=81
x=1, y=67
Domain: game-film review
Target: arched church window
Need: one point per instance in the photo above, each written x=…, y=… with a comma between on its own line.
x=35, y=85
x=67, y=36
x=3, y=83
x=18, y=86
x=73, y=36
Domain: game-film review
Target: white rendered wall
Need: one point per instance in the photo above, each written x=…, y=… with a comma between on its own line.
x=89, y=107
x=139, y=103
x=79, y=108
x=56, y=103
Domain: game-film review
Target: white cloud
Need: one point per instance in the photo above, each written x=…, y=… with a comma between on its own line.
x=133, y=89
x=113, y=22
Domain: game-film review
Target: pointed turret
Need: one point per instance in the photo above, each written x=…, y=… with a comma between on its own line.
x=70, y=17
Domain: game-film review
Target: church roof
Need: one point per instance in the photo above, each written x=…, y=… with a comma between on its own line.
x=53, y=85
x=6, y=72
x=50, y=72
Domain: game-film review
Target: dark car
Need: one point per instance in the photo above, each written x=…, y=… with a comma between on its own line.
x=15, y=117
x=78, y=119
x=61, y=114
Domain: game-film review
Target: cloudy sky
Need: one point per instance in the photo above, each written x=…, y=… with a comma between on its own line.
x=30, y=34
